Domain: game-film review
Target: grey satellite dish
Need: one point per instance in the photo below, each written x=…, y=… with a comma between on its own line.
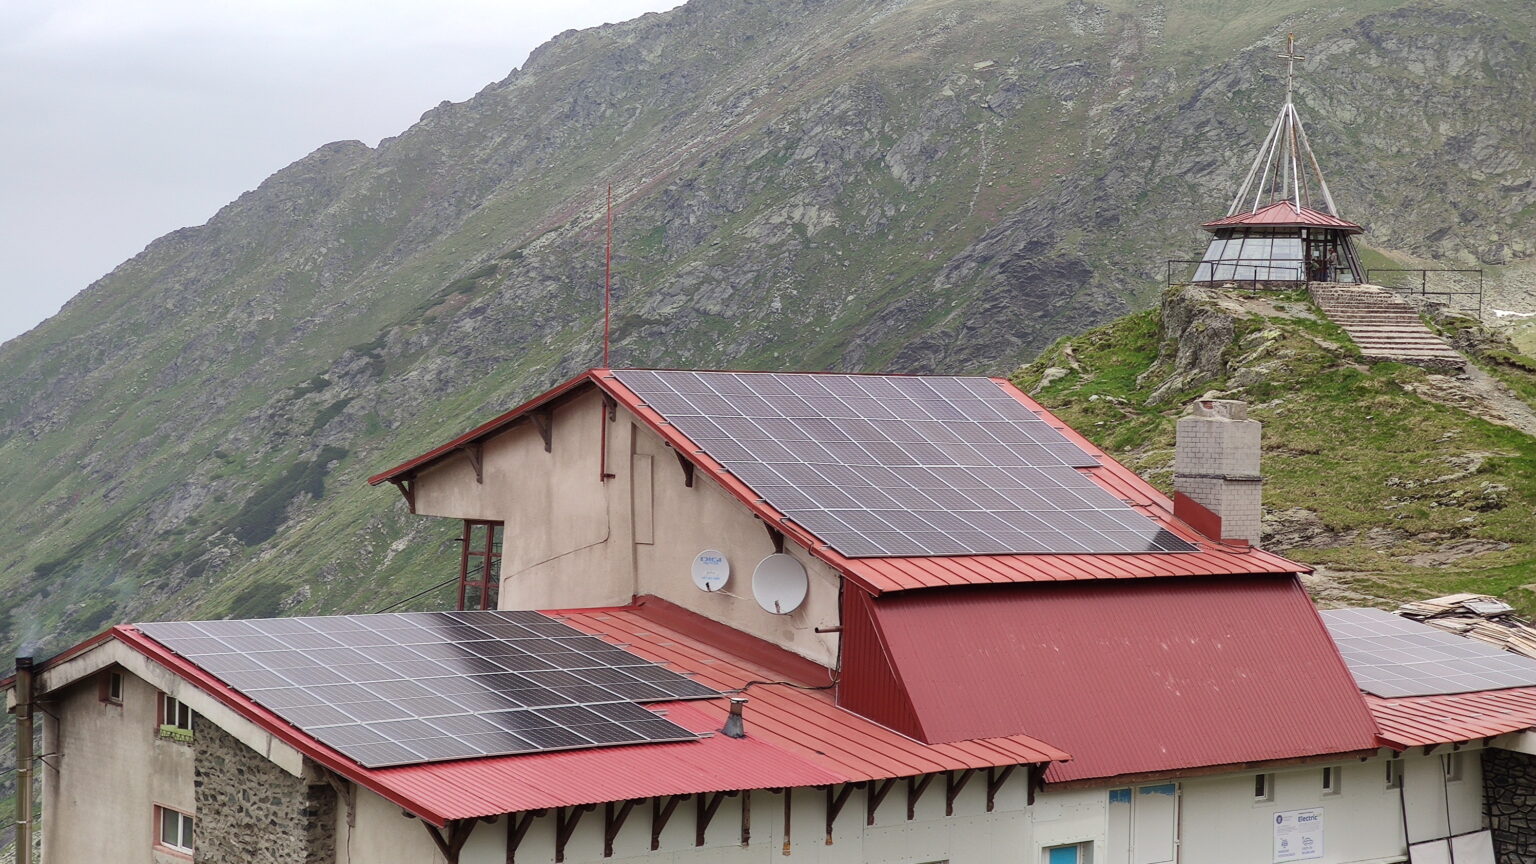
x=779, y=583
x=711, y=570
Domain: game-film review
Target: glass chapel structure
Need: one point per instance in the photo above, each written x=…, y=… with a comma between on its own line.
x=1282, y=226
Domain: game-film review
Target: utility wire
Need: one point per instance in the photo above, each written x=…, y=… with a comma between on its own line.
x=423, y=593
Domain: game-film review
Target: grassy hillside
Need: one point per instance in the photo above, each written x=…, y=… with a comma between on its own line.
x=1373, y=472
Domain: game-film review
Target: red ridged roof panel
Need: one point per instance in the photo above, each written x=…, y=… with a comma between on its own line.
x=1282, y=214
x=795, y=737
x=1425, y=720
x=1132, y=677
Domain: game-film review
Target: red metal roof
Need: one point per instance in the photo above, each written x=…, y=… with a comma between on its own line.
x=879, y=575
x=1282, y=214
x=795, y=737
x=1426, y=720
x=1132, y=677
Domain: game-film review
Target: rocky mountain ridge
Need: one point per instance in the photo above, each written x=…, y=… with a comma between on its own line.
x=840, y=184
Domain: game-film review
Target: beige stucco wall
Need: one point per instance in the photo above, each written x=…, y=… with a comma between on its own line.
x=572, y=539
x=108, y=769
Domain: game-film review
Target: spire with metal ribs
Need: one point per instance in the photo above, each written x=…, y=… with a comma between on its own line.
x=1285, y=168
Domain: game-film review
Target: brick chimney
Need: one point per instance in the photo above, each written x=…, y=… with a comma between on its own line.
x=1216, y=471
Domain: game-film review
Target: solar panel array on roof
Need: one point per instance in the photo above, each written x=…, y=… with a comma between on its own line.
x=1391, y=656
x=902, y=466
x=431, y=686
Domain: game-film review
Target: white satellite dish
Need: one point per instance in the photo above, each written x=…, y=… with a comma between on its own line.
x=711, y=570
x=779, y=583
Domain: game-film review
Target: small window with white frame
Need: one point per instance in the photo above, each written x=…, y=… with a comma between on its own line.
x=175, y=718
x=1263, y=787
x=1331, y=780
x=1070, y=853
x=1394, y=773
x=112, y=687
x=174, y=830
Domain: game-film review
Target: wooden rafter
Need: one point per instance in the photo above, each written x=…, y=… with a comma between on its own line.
x=566, y=819
x=835, y=802
x=660, y=815
x=544, y=421
x=451, y=843
x=613, y=820
x=995, y=780
x=517, y=828
x=952, y=787
x=407, y=489
x=915, y=789
x=877, y=792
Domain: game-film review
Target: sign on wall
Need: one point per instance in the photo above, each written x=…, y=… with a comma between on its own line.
x=1298, y=835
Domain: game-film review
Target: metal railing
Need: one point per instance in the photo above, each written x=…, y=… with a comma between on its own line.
x=1273, y=272
x=1458, y=290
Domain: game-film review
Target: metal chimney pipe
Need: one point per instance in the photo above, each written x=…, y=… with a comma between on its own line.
x=735, y=726
x=24, y=715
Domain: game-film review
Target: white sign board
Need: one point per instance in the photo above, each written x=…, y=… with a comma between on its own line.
x=711, y=570
x=1298, y=835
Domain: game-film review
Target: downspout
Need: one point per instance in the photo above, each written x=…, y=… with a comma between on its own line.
x=24, y=716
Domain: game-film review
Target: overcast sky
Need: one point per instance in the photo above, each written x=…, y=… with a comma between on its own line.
x=121, y=120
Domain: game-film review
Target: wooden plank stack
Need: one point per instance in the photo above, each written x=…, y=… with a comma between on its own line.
x=1478, y=616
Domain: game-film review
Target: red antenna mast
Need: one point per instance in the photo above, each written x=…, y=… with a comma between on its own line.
x=608, y=281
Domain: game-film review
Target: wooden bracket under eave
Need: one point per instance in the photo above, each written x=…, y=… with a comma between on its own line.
x=407, y=489
x=476, y=454
x=451, y=843
x=687, y=468
x=776, y=536
x=544, y=421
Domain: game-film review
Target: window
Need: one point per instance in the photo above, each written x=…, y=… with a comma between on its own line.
x=1331, y=780
x=1263, y=787
x=112, y=688
x=175, y=718
x=1075, y=853
x=173, y=830
x=1394, y=774
x=1143, y=827
x=1451, y=762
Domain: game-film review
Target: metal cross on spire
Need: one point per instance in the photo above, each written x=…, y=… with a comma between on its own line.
x=1290, y=57
x=1285, y=168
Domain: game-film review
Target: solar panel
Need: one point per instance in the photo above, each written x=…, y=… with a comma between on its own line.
x=1391, y=656
x=431, y=686
x=881, y=466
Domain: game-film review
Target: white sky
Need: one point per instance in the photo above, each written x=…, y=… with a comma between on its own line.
x=121, y=120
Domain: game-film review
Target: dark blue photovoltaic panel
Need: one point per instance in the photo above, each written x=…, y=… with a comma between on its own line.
x=1392, y=656
x=881, y=466
x=430, y=686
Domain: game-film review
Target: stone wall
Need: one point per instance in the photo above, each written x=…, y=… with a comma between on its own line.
x=1509, y=804
x=249, y=811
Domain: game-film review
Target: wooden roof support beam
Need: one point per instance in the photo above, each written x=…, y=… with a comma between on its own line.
x=707, y=807
x=517, y=828
x=953, y=786
x=835, y=802
x=746, y=817
x=660, y=815
x=776, y=536
x=789, y=809
x=915, y=790
x=476, y=454
x=995, y=780
x=458, y=834
x=566, y=819
x=613, y=820
x=877, y=792
x=407, y=489
x=544, y=421
x=687, y=468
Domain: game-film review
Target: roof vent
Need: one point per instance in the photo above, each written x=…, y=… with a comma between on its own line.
x=735, y=726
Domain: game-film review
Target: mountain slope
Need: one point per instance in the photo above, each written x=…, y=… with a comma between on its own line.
x=1395, y=482
x=936, y=185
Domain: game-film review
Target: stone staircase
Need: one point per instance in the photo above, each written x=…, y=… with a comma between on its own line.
x=1384, y=325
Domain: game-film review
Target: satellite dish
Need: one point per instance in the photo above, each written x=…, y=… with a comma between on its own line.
x=711, y=570
x=779, y=583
